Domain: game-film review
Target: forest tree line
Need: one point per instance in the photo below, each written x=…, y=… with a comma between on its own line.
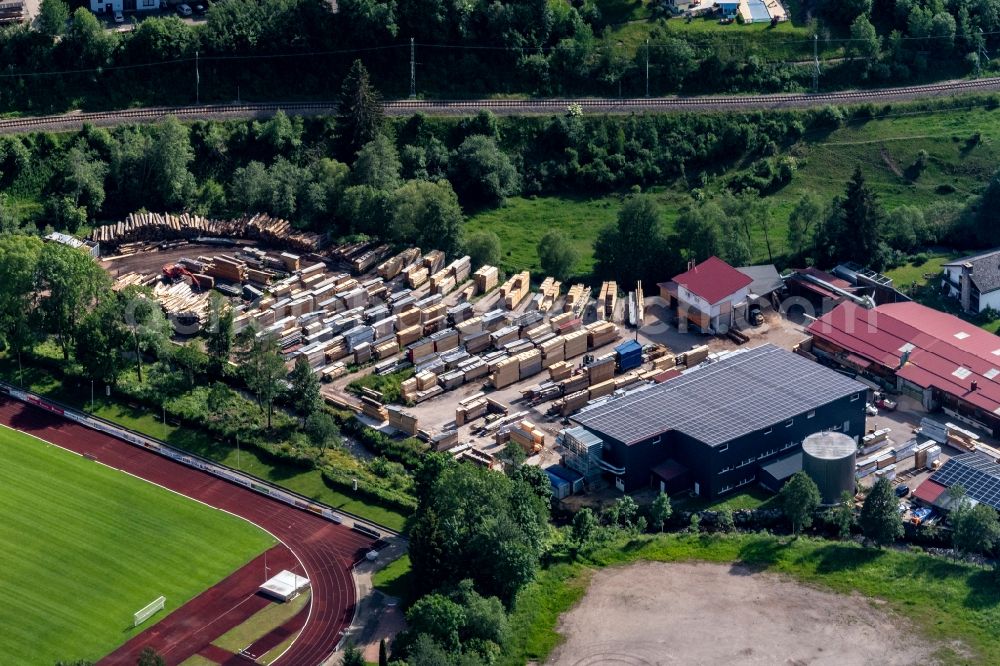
x=246, y=49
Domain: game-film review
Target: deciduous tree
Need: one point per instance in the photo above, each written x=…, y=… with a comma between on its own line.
x=482, y=173
x=262, y=368
x=799, y=498
x=557, y=254
x=71, y=282
x=880, y=519
x=304, y=394
x=660, y=511
x=483, y=248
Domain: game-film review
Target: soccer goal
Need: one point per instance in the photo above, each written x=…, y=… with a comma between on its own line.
x=144, y=614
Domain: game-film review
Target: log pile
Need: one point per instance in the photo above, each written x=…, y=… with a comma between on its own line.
x=132, y=279
x=145, y=227
x=180, y=301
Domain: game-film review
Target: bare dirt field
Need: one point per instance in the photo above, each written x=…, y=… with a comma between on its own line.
x=652, y=613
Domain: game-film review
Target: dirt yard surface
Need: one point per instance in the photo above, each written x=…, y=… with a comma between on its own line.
x=651, y=613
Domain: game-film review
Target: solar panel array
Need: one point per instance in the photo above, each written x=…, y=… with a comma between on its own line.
x=977, y=473
x=744, y=392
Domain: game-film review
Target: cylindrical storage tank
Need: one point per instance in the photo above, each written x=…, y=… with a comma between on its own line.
x=828, y=458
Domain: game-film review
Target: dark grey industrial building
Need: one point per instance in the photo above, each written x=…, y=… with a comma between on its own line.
x=712, y=428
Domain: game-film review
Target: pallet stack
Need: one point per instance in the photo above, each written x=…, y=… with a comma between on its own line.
x=514, y=290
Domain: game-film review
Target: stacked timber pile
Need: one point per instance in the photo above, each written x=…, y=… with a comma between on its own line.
x=403, y=421
x=226, y=268
x=180, y=301
x=601, y=333
x=393, y=266
x=514, y=290
x=362, y=263
x=486, y=278
x=156, y=227
x=576, y=300
x=549, y=292
x=607, y=299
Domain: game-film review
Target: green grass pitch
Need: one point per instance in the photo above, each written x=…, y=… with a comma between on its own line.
x=83, y=546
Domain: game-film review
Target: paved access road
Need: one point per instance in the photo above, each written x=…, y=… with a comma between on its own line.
x=546, y=106
x=327, y=551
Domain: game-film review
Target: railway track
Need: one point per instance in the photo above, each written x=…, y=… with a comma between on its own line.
x=402, y=107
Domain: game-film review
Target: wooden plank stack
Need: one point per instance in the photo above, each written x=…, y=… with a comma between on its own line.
x=514, y=290
x=395, y=265
x=486, y=278
x=607, y=299
x=550, y=292
x=147, y=227
x=403, y=421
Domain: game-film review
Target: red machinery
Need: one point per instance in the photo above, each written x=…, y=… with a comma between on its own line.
x=174, y=272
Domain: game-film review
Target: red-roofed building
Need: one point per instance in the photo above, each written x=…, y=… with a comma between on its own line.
x=709, y=295
x=937, y=358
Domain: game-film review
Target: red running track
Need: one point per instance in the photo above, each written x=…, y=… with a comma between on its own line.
x=327, y=551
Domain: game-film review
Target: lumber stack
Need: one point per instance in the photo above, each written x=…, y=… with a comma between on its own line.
x=514, y=290
x=373, y=409
x=471, y=409
x=601, y=333
x=363, y=262
x=148, y=227
x=395, y=265
x=433, y=261
x=486, y=278
x=403, y=421
x=549, y=292
x=226, y=268
x=607, y=300
x=576, y=300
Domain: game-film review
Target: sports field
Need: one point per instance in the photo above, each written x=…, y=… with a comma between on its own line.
x=85, y=546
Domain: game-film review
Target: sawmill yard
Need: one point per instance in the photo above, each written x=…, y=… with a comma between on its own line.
x=488, y=357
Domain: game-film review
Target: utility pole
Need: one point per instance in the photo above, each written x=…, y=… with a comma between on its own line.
x=413, y=72
x=984, y=55
x=647, y=67
x=197, y=80
x=815, y=63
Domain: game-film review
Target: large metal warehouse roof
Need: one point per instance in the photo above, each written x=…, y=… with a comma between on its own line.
x=924, y=346
x=746, y=391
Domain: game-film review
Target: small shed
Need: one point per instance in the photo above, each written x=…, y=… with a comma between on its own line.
x=629, y=355
x=561, y=488
x=774, y=474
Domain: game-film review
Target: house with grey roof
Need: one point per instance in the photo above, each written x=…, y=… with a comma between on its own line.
x=974, y=281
